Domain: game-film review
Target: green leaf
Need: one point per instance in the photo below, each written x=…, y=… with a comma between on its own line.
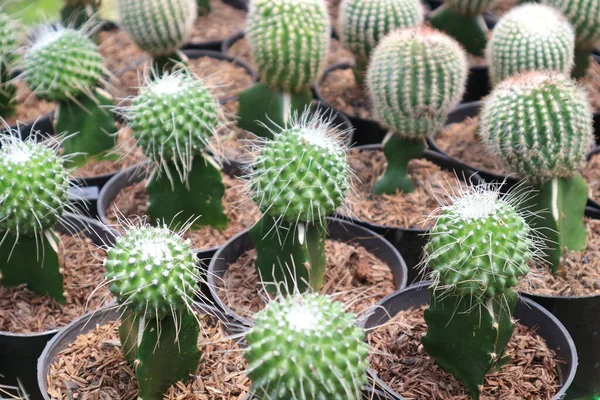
x=470, y=31
x=398, y=153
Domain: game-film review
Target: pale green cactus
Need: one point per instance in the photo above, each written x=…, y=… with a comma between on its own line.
x=8, y=46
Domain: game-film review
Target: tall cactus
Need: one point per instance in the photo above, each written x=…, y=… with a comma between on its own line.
x=530, y=37
x=289, y=41
x=547, y=150
x=34, y=186
x=363, y=23
x=584, y=15
x=64, y=65
x=299, y=178
x=172, y=120
x=8, y=46
x=478, y=249
x=76, y=13
x=415, y=78
x=306, y=347
x=152, y=273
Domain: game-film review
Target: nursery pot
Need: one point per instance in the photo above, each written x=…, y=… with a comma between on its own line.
x=239, y=4
x=527, y=313
x=338, y=229
x=19, y=352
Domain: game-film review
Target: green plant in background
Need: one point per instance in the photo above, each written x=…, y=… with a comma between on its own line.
x=289, y=41
x=152, y=272
x=306, y=347
x=478, y=249
x=159, y=27
x=463, y=20
x=540, y=125
x=363, y=23
x=76, y=13
x=416, y=76
x=584, y=15
x=64, y=65
x=299, y=178
x=203, y=7
x=530, y=37
x=34, y=184
x=8, y=46
x=172, y=120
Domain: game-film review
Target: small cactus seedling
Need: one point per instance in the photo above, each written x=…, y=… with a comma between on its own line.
x=478, y=249
x=77, y=13
x=152, y=272
x=415, y=78
x=159, y=27
x=584, y=15
x=530, y=37
x=363, y=23
x=306, y=347
x=289, y=41
x=34, y=184
x=547, y=150
x=8, y=46
x=299, y=178
x=172, y=120
x=463, y=20
x=64, y=65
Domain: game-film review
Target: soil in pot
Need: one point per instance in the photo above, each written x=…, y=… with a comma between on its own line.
x=592, y=83
x=398, y=210
x=24, y=311
x=119, y=51
x=28, y=106
x=93, y=367
x=353, y=275
x=221, y=22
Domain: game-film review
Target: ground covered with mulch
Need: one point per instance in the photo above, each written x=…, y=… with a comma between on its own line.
x=401, y=362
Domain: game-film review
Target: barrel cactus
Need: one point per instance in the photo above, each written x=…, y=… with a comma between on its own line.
x=8, y=46
x=34, y=184
x=172, y=120
x=289, y=41
x=415, y=78
x=152, y=272
x=478, y=249
x=530, y=37
x=363, y=23
x=306, y=347
x=547, y=151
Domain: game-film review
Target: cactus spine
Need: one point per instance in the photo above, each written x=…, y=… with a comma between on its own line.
x=8, y=45
x=363, y=23
x=172, y=120
x=289, y=41
x=547, y=150
x=415, y=78
x=76, y=13
x=299, y=178
x=34, y=184
x=478, y=249
x=152, y=272
x=306, y=347
x=530, y=37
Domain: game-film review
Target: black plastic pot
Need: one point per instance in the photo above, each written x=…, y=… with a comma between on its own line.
x=597, y=112
x=19, y=352
x=43, y=125
x=337, y=229
x=527, y=313
x=239, y=4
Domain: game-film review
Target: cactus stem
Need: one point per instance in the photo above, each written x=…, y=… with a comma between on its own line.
x=582, y=63
x=470, y=31
x=399, y=151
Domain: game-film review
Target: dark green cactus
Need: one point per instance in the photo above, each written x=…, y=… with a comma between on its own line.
x=203, y=7
x=306, y=347
x=478, y=249
x=152, y=272
x=8, y=45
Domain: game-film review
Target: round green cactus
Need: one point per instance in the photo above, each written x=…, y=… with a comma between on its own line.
x=33, y=183
x=530, y=37
x=152, y=271
x=555, y=142
x=159, y=27
x=415, y=78
x=8, y=36
x=468, y=7
x=584, y=15
x=306, y=347
x=289, y=40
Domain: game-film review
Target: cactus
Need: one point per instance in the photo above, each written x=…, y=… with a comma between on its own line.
x=478, y=249
x=364, y=23
x=547, y=150
x=76, y=13
x=584, y=15
x=64, y=65
x=8, y=46
x=152, y=273
x=415, y=78
x=530, y=37
x=306, y=347
x=159, y=27
x=172, y=120
x=299, y=178
x=203, y=7
x=34, y=184
x=289, y=41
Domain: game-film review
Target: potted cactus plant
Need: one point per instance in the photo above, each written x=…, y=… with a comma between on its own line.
x=8, y=46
